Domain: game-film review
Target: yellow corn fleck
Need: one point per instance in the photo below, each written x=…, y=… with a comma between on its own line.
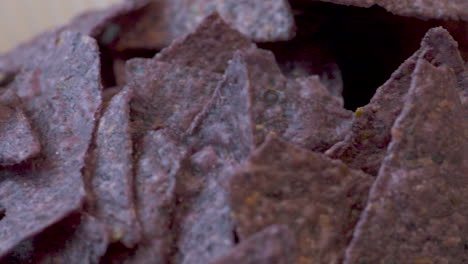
x=259, y=126
x=252, y=199
x=359, y=111
x=422, y=260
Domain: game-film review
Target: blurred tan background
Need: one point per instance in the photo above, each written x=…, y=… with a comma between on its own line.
x=22, y=19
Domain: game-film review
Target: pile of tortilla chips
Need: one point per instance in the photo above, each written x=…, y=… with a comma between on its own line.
x=209, y=153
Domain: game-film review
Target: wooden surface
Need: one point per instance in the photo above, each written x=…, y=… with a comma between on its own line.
x=22, y=19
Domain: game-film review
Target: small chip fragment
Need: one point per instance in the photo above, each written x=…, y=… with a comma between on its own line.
x=209, y=47
x=60, y=94
x=319, y=199
x=273, y=245
x=417, y=210
x=18, y=142
x=112, y=177
x=366, y=146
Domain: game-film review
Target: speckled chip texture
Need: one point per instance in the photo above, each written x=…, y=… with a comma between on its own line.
x=417, y=210
x=159, y=160
x=18, y=141
x=296, y=111
x=210, y=46
x=273, y=245
x=112, y=177
x=426, y=9
x=319, y=199
x=61, y=101
x=168, y=95
x=261, y=21
x=366, y=146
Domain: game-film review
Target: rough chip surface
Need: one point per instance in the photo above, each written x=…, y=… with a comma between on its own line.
x=267, y=20
x=203, y=221
x=286, y=107
x=273, y=245
x=318, y=198
x=366, y=146
x=60, y=95
x=155, y=181
x=209, y=47
x=168, y=95
x=18, y=141
x=112, y=177
x=439, y=9
x=417, y=210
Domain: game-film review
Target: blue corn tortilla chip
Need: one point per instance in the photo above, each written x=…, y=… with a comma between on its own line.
x=209, y=47
x=112, y=175
x=273, y=245
x=18, y=141
x=417, y=210
x=262, y=21
x=61, y=97
x=429, y=9
x=319, y=199
x=366, y=145
x=297, y=111
x=167, y=95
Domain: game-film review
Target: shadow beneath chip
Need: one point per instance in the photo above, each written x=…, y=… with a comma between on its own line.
x=50, y=241
x=367, y=44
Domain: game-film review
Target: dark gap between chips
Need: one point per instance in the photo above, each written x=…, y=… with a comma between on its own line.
x=367, y=44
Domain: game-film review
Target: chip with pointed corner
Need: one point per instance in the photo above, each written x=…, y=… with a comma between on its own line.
x=275, y=244
x=261, y=21
x=366, y=145
x=18, y=141
x=61, y=101
x=112, y=176
x=296, y=111
x=319, y=199
x=417, y=210
x=209, y=47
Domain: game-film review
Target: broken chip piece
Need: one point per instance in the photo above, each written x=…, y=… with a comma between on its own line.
x=18, y=142
x=319, y=199
x=273, y=245
x=417, y=207
x=112, y=177
x=44, y=190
